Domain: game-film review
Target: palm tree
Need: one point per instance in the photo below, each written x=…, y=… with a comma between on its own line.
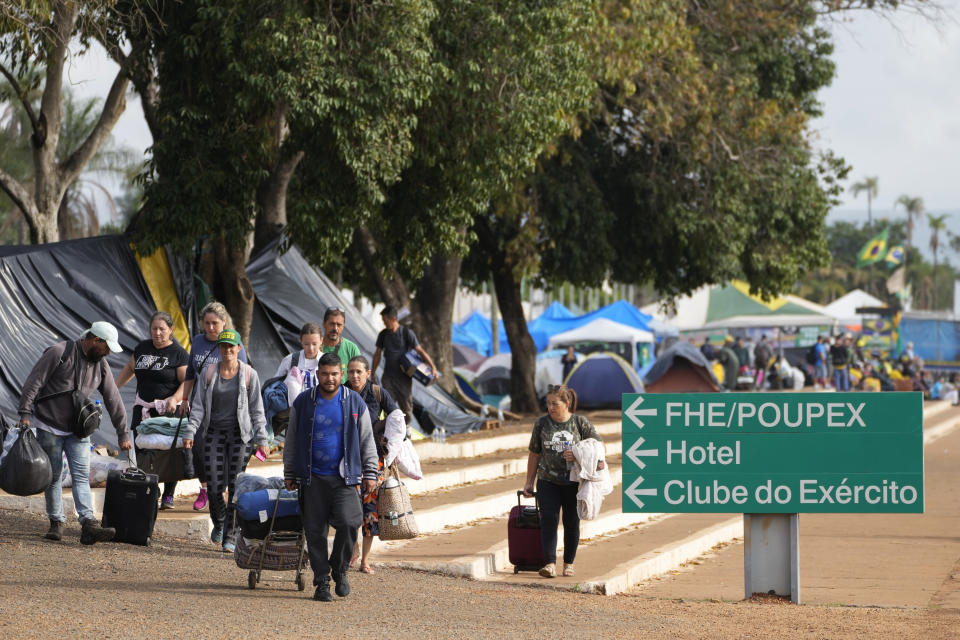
x=914, y=208
x=937, y=225
x=869, y=186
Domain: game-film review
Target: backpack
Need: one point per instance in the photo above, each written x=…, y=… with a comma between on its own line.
x=281, y=419
x=838, y=355
x=812, y=354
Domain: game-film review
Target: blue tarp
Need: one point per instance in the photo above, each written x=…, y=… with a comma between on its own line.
x=933, y=340
x=475, y=333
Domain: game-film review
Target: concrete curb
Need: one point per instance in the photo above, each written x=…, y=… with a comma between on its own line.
x=663, y=559
x=429, y=450
x=937, y=432
x=479, y=566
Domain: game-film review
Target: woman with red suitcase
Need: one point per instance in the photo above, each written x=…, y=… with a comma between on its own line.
x=549, y=462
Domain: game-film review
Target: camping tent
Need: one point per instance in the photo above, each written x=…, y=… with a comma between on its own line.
x=732, y=305
x=464, y=355
x=606, y=335
x=601, y=378
x=493, y=375
x=680, y=368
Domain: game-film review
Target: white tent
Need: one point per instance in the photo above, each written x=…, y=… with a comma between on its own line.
x=845, y=307
x=604, y=330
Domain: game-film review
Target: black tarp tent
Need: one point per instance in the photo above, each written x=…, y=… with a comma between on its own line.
x=291, y=292
x=53, y=292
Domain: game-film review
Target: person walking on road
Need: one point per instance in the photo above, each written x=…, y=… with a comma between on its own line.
x=46, y=404
x=550, y=454
x=820, y=369
x=228, y=411
x=379, y=405
x=334, y=320
x=203, y=351
x=392, y=343
x=329, y=452
x=160, y=366
x=762, y=359
x=840, y=358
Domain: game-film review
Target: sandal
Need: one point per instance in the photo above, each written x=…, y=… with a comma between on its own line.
x=568, y=570
x=367, y=570
x=353, y=561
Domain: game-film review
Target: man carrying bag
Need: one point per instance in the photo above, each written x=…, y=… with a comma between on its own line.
x=56, y=401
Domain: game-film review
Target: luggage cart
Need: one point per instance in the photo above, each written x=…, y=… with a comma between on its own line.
x=278, y=551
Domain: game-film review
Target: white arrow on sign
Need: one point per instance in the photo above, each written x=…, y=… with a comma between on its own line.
x=633, y=492
x=635, y=453
x=635, y=411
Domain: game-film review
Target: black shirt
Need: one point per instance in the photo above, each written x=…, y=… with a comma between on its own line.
x=394, y=345
x=388, y=405
x=156, y=369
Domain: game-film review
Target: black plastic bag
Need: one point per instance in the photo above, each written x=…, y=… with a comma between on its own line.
x=26, y=469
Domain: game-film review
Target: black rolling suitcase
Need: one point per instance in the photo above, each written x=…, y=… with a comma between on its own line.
x=130, y=505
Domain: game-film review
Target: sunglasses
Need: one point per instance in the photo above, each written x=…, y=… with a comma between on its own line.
x=554, y=388
x=334, y=309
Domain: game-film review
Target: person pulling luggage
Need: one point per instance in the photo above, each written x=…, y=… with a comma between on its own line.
x=228, y=410
x=549, y=462
x=48, y=403
x=329, y=450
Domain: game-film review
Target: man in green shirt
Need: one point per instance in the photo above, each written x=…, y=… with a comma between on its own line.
x=334, y=321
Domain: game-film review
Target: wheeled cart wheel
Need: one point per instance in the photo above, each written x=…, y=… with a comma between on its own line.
x=147, y=543
x=252, y=580
x=301, y=583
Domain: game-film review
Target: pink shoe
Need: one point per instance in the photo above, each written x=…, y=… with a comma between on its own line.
x=201, y=502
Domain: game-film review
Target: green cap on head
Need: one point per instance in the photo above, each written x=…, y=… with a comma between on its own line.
x=229, y=336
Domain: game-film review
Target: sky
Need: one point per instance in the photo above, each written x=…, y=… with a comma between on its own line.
x=892, y=111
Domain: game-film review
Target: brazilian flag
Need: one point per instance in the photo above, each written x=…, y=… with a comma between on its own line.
x=874, y=251
x=895, y=256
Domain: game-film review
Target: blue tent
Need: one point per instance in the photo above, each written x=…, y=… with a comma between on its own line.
x=600, y=379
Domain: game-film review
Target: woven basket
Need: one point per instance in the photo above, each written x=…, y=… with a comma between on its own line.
x=394, y=510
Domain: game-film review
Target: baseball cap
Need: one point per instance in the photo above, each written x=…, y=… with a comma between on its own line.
x=106, y=332
x=228, y=336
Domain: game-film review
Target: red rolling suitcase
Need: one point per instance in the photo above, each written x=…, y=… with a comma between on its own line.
x=523, y=537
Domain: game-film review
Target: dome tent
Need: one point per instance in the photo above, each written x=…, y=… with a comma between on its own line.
x=601, y=378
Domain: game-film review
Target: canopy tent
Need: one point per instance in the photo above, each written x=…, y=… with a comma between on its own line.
x=845, y=307
x=732, y=305
x=681, y=368
x=475, y=331
x=601, y=378
x=606, y=335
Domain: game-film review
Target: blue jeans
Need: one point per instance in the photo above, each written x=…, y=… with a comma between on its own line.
x=78, y=459
x=841, y=379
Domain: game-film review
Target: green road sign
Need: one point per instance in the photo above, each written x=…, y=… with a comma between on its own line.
x=773, y=452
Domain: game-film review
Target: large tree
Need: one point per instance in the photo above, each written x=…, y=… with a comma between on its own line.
x=693, y=169
x=38, y=35
x=511, y=77
x=248, y=92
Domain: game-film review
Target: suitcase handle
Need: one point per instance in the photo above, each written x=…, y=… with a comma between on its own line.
x=536, y=501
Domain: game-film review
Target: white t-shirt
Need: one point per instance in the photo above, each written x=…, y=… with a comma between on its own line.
x=307, y=368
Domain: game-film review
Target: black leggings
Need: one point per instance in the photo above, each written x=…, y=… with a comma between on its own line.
x=225, y=457
x=552, y=497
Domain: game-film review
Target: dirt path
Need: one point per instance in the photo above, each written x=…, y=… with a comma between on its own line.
x=178, y=589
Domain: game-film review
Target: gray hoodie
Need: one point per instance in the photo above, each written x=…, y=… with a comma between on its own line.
x=46, y=391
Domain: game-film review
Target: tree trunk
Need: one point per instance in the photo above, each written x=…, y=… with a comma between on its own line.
x=231, y=279
x=393, y=290
x=272, y=201
x=432, y=310
x=523, y=393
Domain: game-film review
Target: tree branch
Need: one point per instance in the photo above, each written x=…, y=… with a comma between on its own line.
x=12, y=79
x=20, y=196
x=113, y=107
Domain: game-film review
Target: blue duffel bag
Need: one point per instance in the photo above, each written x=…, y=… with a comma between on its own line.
x=258, y=505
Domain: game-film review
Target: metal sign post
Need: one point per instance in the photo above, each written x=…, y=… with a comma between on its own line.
x=773, y=453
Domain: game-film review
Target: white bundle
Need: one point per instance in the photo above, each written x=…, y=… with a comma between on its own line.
x=399, y=447
x=156, y=441
x=594, y=484
x=294, y=383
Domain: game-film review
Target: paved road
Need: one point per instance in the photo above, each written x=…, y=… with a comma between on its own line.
x=179, y=589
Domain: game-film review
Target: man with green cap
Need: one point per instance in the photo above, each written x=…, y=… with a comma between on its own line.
x=46, y=405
